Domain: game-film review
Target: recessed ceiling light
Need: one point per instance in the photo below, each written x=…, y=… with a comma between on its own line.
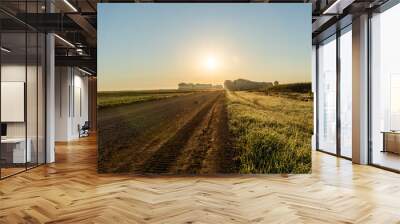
x=64, y=40
x=84, y=71
x=5, y=50
x=70, y=5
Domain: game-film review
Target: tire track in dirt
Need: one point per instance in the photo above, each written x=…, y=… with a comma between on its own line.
x=185, y=135
x=222, y=158
x=209, y=151
x=198, y=145
x=166, y=156
x=130, y=134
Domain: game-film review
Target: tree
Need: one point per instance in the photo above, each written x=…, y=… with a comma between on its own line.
x=228, y=84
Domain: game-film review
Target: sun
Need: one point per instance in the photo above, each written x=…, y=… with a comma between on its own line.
x=211, y=63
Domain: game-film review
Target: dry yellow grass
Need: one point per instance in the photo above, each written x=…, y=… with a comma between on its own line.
x=272, y=134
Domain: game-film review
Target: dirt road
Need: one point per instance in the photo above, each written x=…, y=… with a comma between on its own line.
x=181, y=135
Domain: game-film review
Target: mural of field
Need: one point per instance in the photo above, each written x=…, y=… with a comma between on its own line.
x=118, y=98
x=217, y=88
x=271, y=132
x=206, y=131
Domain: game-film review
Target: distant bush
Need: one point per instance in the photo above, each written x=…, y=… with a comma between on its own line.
x=244, y=84
x=291, y=88
x=198, y=86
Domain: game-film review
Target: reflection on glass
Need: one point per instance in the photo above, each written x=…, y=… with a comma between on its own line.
x=394, y=102
x=346, y=93
x=327, y=96
x=22, y=92
x=31, y=100
x=385, y=93
x=14, y=153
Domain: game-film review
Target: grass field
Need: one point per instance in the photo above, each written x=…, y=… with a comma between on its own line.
x=205, y=132
x=272, y=134
x=116, y=98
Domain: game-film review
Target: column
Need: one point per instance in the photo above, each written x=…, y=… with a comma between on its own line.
x=360, y=90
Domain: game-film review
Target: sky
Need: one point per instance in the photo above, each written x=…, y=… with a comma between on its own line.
x=156, y=46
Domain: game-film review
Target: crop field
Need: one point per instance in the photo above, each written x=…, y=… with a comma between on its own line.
x=115, y=98
x=272, y=134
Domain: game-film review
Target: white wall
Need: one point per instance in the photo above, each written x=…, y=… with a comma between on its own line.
x=80, y=104
x=62, y=83
x=70, y=84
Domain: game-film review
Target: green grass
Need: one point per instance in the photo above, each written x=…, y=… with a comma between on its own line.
x=116, y=98
x=272, y=134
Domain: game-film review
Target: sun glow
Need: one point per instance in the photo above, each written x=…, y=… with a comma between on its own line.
x=211, y=63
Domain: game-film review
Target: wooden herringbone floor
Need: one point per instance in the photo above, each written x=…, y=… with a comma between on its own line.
x=70, y=191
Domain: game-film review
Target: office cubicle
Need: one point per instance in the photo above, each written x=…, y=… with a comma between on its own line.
x=22, y=98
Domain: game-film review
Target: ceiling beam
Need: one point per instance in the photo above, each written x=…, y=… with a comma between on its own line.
x=338, y=6
x=81, y=61
x=86, y=27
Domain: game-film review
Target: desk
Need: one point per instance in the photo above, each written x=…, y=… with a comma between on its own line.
x=16, y=147
x=391, y=141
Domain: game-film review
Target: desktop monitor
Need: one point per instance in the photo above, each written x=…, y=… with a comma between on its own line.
x=3, y=129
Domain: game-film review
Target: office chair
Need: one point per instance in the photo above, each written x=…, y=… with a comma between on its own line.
x=84, y=130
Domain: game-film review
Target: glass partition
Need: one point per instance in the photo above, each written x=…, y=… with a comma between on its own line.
x=327, y=95
x=14, y=153
x=22, y=107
